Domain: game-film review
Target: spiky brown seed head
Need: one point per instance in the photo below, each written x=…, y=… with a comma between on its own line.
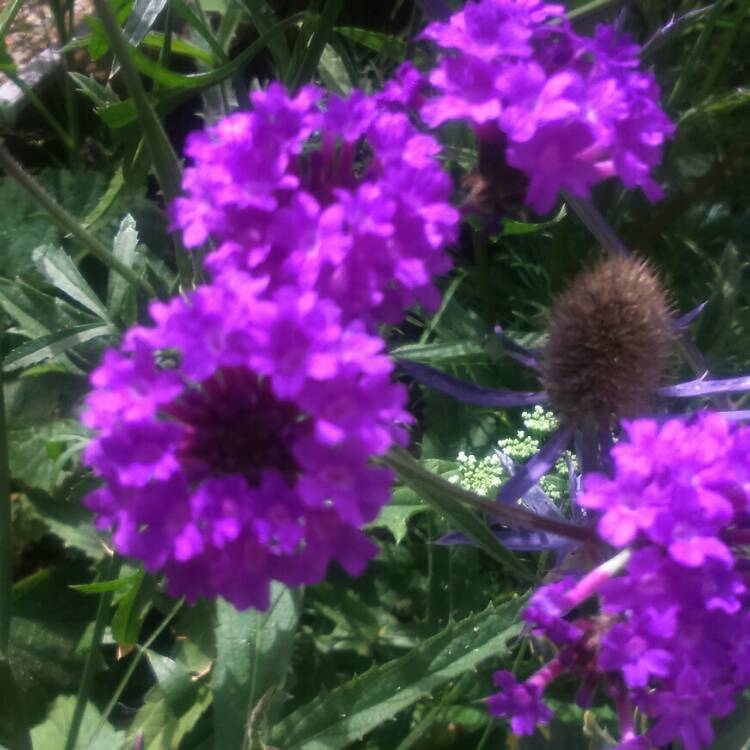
x=610, y=336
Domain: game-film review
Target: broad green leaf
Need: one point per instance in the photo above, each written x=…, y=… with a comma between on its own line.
x=123, y=249
x=253, y=650
x=37, y=313
x=67, y=518
x=178, y=46
x=47, y=624
x=185, y=86
x=175, y=682
x=24, y=226
x=33, y=451
x=405, y=503
x=53, y=344
x=161, y=728
x=342, y=717
x=333, y=72
x=50, y=733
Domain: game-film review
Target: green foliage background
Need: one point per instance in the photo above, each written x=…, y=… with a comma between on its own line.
x=401, y=657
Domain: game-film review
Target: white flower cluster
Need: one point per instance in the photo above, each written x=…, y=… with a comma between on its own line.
x=485, y=475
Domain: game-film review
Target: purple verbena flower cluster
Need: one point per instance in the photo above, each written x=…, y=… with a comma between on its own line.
x=343, y=196
x=573, y=111
x=235, y=435
x=234, y=438
x=671, y=636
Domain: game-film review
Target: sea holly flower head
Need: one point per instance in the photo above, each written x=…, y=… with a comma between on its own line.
x=234, y=435
x=574, y=110
x=345, y=197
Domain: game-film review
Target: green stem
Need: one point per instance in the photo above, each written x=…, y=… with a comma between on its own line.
x=484, y=739
x=52, y=121
x=163, y=157
x=139, y=654
x=67, y=222
x=410, y=469
x=63, y=36
x=448, y=699
x=110, y=571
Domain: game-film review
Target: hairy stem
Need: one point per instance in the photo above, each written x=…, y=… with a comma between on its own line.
x=67, y=222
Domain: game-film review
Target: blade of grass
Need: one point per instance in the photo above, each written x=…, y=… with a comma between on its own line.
x=696, y=54
x=63, y=35
x=264, y=19
x=135, y=661
x=316, y=44
x=111, y=570
x=8, y=16
x=201, y=27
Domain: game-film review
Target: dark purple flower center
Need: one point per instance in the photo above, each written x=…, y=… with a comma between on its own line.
x=235, y=425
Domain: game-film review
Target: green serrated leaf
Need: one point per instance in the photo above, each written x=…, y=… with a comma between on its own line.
x=405, y=504
x=124, y=249
x=36, y=313
x=57, y=267
x=50, y=733
x=253, y=650
x=68, y=519
x=53, y=345
x=93, y=90
x=343, y=716
x=31, y=462
x=23, y=226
